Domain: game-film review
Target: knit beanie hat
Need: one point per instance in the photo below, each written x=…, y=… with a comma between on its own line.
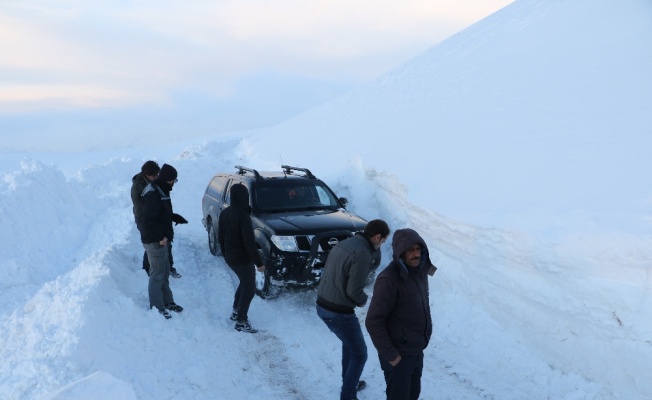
x=167, y=173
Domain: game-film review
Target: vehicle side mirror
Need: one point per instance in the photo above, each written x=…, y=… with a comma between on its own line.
x=344, y=201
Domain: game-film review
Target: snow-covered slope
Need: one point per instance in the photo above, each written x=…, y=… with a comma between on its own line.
x=540, y=110
x=534, y=119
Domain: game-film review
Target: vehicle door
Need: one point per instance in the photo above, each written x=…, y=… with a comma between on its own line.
x=214, y=197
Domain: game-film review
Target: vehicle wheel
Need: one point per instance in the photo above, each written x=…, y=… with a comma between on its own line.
x=213, y=246
x=263, y=281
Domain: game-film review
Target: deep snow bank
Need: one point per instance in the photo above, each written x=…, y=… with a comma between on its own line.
x=515, y=318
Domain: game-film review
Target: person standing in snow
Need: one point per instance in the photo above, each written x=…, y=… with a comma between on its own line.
x=235, y=235
x=156, y=234
x=398, y=320
x=341, y=290
x=148, y=172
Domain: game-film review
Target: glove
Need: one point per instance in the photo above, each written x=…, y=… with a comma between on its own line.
x=178, y=219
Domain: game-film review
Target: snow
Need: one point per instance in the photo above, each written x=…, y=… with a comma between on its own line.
x=518, y=148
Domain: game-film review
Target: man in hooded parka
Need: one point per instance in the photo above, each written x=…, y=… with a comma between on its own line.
x=235, y=235
x=398, y=320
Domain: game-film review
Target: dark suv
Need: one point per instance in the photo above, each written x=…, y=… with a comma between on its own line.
x=296, y=217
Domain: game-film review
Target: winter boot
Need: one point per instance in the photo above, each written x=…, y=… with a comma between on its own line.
x=174, y=273
x=244, y=326
x=173, y=307
x=234, y=315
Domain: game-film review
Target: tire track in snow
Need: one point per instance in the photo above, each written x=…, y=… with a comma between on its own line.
x=270, y=354
x=265, y=354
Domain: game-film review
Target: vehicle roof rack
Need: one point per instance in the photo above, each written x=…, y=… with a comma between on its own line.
x=243, y=170
x=288, y=171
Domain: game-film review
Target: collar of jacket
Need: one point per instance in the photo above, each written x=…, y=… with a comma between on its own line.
x=367, y=240
x=152, y=187
x=247, y=208
x=163, y=185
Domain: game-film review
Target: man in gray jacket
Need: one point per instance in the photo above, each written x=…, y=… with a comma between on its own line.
x=341, y=291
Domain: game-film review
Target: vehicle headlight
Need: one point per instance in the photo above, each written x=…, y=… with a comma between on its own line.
x=285, y=243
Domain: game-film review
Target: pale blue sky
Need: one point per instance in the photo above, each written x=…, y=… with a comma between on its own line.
x=124, y=71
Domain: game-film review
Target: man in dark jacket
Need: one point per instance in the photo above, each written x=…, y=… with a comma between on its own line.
x=156, y=233
x=398, y=320
x=235, y=235
x=341, y=291
x=148, y=172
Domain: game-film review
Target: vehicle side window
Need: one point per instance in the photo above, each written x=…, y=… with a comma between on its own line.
x=227, y=193
x=216, y=187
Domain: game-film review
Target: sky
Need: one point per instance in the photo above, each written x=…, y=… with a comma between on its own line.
x=130, y=73
x=518, y=149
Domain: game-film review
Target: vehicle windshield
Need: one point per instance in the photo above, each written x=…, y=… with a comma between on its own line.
x=295, y=195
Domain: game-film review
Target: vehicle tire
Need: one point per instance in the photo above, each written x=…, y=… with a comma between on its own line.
x=213, y=246
x=263, y=281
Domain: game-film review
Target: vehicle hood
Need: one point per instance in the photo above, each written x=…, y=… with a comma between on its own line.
x=311, y=222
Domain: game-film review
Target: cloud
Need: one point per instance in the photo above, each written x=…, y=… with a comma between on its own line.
x=67, y=53
x=259, y=101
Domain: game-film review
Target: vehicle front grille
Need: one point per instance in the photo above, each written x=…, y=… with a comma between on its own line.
x=304, y=243
x=324, y=243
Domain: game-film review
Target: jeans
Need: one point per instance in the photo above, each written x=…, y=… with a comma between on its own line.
x=354, y=349
x=159, y=276
x=404, y=380
x=246, y=289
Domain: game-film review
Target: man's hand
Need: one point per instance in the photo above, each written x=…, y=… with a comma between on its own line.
x=396, y=361
x=261, y=268
x=163, y=242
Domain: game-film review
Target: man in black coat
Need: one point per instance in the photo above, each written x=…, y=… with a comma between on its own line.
x=156, y=234
x=235, y=235
x=148, y=173
x=398, y=320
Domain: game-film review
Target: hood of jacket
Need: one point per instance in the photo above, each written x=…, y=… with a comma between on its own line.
x=404, y=239
x=240, y=196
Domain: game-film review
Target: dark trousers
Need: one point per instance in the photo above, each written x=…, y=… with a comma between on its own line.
x=404, y=380
x=246, y=289
x=354, y=349
x=146, y=260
